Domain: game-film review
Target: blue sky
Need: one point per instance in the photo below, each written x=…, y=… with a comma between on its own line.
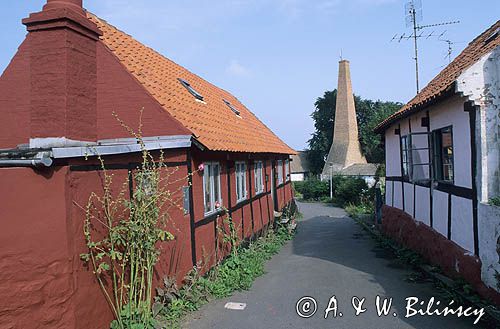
x=278, y=56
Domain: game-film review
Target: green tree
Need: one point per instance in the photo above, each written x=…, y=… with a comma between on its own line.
x=369, y=114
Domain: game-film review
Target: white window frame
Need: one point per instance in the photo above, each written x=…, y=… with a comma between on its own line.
x=259, y=179
x=280, y=172
x=208, y=168
x=241, y=181
x=287, y=170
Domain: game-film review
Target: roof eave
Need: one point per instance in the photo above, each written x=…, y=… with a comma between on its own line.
x=449, y=91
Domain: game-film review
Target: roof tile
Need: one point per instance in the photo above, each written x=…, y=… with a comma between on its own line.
x=212, y=121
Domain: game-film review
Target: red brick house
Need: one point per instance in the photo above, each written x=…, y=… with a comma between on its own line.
x=57, y=97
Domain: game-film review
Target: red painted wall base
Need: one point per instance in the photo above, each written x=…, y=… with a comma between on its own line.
x=455, y=261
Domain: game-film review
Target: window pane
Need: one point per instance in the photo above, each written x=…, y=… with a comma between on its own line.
x=447, y=153
x=261, y=174
x=207, y=188
x=185, y=191
x=216, y=183
x=280, y=172
x=443, y=154
x=242, y=182
x=237, y=181
x=256, y=173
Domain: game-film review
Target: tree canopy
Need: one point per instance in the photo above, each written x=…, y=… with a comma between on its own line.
x=369, y=114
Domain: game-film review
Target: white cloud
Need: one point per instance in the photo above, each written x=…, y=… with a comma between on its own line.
x=236, y=69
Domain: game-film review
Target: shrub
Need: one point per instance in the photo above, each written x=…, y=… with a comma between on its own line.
x=297, y=188
x=364, y=208
x=346, y=190
x=349, y=190
x=495, y=201
x=312, y=189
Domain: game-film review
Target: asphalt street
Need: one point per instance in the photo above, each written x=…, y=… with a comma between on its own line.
x=331, y=256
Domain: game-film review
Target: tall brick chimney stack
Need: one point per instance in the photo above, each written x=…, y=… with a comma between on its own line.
x=346, y=149
x=62, y=44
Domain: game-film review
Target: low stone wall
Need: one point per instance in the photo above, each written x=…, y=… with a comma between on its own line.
x=455, y=261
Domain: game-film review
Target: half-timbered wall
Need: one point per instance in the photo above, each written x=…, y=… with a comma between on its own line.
x=447, y=208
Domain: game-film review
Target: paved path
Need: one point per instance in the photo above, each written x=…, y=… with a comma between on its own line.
x=330, y=255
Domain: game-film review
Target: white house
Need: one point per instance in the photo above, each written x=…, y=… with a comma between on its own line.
x=299, y=167
x=442, y=167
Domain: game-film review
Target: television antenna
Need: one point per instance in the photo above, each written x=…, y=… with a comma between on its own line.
x=450, y=49
x=413, y=18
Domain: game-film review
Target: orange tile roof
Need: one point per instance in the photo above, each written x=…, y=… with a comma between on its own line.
x=442, y=83
x=212, y=122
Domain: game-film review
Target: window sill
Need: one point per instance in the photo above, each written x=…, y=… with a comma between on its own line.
x=214, y=212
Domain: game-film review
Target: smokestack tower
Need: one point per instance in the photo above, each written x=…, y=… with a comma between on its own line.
x=346, y=149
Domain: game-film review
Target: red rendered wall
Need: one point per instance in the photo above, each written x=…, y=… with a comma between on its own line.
x=35, y=266
x=44, y=282
x=118, y=91
x=259, y=210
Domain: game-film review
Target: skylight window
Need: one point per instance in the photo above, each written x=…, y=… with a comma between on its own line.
x=234, y=109
x=191, y=90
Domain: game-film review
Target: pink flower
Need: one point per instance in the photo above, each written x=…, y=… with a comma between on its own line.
x=217, y=205
x=201, y=167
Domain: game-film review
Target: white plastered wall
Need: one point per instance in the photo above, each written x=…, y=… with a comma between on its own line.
x=481, y=84
x=408, y=198
x=392, y=152
x=422, y=205
x=462, y=230
x=440, y=212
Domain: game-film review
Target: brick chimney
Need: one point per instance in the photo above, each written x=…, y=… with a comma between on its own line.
x=63, y=61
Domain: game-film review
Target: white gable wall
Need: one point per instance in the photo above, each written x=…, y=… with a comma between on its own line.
x=481, y=84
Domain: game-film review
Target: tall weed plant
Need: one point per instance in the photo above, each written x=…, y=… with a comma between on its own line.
x=123, y=234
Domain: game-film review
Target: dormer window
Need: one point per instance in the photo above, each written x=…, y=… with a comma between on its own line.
x=234, y=109
x=191, y=90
